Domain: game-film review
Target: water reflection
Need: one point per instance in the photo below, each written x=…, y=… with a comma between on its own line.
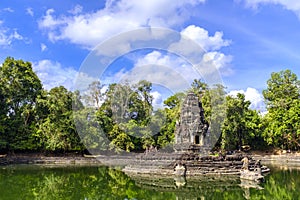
x=246, y=185
x=37, y=182
x=180, y=181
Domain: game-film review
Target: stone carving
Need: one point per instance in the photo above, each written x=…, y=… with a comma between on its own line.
x=192, y=127
x=245, y=161
x=255, y=175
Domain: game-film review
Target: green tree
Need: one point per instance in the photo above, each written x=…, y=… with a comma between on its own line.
x=90, y=131
x=125, y=115
x=3, y=116
x=241, y=124
x=171, y=113
x=87, y=125
x=283, y=104
x=56, y=128
x=20, y=87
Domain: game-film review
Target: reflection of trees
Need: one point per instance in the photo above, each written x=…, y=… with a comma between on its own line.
x=280, y=185
x=71, y=183
x=105, y=183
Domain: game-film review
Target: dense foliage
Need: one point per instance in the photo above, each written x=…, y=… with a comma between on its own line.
x=241, y=125
x=20, y=88
x=122, y=118
x=283, y=104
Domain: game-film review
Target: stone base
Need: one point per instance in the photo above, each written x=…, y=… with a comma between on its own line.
x=192, y=148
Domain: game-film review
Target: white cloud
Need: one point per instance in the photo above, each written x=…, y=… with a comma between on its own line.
x=215, y=61
x=252, y=95
x=89, y=29
x=43, y=47
x=173, y=71
x=76, y=10
x=166, y=70
x=29, y=11
x=8, y=10
x=156, y=57
x=203, y=50
x=292, y=5
x=208, y=43
x=83, y=80
x=7, y=36
x=53, y=74
x=157, y=98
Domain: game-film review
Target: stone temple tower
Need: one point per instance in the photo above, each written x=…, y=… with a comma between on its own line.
x=192, y=127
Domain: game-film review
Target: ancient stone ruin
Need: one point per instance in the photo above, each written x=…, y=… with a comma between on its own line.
x=192, y=127
x=192, y=156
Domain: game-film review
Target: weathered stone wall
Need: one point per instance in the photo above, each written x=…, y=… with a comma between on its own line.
x=192, y=126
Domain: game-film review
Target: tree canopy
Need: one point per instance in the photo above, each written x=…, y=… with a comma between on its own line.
x=20, y=88
x=120, y=116
x=282, y=121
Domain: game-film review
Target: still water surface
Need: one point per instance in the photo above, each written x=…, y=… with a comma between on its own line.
x=87, y=183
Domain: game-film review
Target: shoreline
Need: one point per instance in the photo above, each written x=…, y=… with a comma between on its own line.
x=40, y=159
x=283, y=160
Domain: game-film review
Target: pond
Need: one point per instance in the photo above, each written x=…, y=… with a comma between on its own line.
x=91, y=182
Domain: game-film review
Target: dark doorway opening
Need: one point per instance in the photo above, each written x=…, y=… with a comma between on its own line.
x=197, y=139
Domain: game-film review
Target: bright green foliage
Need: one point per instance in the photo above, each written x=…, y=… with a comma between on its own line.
x=125, y=116
x=172, y=114
x=20, y=87
x=120, y=139
x=241, y=124
x=56, y=128
x=283, y=103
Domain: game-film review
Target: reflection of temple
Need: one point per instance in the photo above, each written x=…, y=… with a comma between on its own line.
x=192, y=126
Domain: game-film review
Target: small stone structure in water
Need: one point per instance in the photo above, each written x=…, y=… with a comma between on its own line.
x=192, y=128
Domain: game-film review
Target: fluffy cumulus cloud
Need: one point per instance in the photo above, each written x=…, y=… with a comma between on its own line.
x=89, y=29
x=216, y=61
x=201, y=36
x=163, y=69
x=252, y=95
x=211, y=59
x=292, y=5
x=7, y=36
x=53, y=74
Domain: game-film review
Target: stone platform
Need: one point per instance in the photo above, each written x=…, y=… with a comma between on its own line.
x=163, y=164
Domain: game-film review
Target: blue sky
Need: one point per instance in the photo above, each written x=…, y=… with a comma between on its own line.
x=244, y=40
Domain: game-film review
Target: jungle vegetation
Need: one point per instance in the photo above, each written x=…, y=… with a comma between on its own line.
x=35, y=119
